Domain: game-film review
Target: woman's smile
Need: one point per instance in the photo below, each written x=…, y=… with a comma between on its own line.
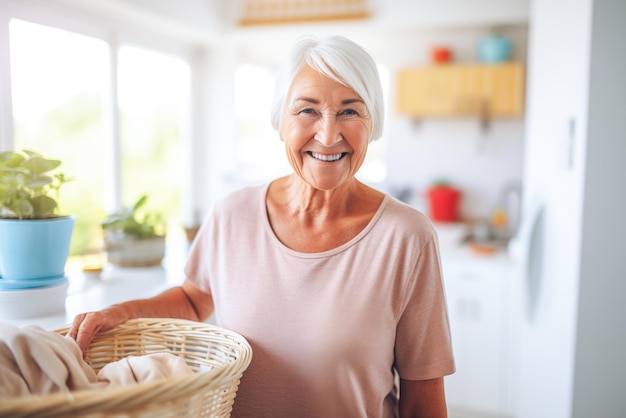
x=327, y=157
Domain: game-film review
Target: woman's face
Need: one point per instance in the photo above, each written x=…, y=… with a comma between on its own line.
x=326, y=129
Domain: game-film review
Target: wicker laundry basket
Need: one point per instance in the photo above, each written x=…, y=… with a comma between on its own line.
x=209, y=393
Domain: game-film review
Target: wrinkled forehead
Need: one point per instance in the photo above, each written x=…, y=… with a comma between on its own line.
x=311, y=86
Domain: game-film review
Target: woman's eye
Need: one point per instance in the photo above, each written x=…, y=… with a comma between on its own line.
x=350, y=112
x=307, y=111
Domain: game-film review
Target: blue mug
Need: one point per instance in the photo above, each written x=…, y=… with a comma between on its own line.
x=494, y=49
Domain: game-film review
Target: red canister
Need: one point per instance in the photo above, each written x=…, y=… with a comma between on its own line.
x=443, y=203
x=441, y=55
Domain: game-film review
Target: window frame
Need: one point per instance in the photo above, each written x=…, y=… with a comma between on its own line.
x=115, y=34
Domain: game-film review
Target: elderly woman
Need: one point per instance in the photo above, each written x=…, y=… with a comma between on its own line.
x=336, y=286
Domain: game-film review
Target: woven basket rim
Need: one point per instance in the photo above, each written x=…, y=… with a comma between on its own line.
x=161, y=388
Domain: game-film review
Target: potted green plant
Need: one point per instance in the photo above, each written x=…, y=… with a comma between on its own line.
x=134, y=237
x=34, y=238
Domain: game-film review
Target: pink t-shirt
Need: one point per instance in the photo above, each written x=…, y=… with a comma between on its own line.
x=328, y=330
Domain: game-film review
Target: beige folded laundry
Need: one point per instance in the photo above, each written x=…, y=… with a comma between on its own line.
x=146, y=368
x=35, y=361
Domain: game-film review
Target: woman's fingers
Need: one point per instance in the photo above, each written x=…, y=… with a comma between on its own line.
x=86, y=326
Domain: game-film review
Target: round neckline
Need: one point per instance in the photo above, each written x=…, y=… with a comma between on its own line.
x=320, y=254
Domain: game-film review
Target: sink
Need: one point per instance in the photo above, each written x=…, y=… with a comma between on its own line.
x=489, y=240
x=482, y=233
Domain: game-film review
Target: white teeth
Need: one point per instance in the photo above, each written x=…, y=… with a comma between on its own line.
x=326, y=157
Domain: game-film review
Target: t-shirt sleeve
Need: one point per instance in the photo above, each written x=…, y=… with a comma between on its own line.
x=200, y=253
x=423, y=347
x=222, y=233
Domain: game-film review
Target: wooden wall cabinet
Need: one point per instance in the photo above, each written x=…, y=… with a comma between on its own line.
x=482, y=90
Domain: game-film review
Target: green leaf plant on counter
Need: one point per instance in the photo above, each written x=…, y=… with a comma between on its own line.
x=134, y=237
x=132, y=221
x=27, y=189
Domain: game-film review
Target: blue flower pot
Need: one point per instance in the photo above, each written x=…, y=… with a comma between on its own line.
x=34, y=248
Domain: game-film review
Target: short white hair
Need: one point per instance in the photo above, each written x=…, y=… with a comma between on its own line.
x=341, y=60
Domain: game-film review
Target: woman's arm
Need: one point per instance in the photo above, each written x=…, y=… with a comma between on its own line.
x=422, y=399
x=185, y=302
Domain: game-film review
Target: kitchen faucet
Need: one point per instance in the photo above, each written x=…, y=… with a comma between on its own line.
x=510, y=206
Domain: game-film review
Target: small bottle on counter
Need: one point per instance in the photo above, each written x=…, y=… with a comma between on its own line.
x=499, y=221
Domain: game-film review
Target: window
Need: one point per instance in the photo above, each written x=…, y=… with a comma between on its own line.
x=59, y=84
x=153, y=91
x=61, y=89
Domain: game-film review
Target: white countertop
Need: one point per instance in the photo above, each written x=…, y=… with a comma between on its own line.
x=454, y=250
x=91, y=292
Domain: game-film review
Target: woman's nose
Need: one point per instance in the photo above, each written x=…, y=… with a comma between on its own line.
x=328, y=131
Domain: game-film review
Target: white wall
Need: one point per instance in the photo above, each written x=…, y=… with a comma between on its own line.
x=480, y=162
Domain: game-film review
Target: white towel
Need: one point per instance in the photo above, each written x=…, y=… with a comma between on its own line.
x=146, y=368
x=35, y=361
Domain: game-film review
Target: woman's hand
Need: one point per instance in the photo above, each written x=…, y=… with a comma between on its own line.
x=87, y=325
x=185, y=302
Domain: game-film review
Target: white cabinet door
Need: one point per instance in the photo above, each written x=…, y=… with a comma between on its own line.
x=478, y=309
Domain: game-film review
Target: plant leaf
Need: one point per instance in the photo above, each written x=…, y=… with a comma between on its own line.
x=44, y=206
x=13, y=178
x=37, y=182
x=11, y=159
x=139, y=203
x=38, y=165
x=26, y=191
x=22, y=208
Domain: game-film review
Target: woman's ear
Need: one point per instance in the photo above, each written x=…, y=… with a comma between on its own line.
x=280, y=132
